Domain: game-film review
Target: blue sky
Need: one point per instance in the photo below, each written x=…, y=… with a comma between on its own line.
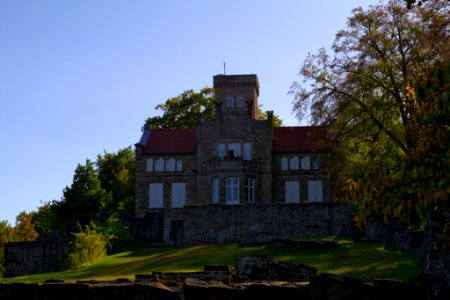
x=80, y=77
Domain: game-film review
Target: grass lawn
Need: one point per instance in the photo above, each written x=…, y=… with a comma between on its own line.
x=365, y=261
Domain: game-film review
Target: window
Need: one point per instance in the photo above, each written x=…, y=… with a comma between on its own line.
x=179, y=166
x=240, y=101
x=284, y=163
x=155, y=195
x=292, y=191
x=306, y=163
x=221, y=150
x=159, y=165
x=178, y=195
x=230, y=101
x=247, y=151
x=215, y=190
x=234, y=150
x=170, y=165
x=250, y=189
x=232, y=190
x=149, y=165
x=293, y=163
x=315, y=163
x=315, y=191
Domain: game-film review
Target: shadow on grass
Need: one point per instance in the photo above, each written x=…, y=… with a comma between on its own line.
x=363, y=261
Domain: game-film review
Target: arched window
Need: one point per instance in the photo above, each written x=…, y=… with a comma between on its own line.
x=170, y=165
x=306, y=163
x=179, y=166
x=284, y=163
x=293, y=163
x=158, y=165
x=149, y=165
x=315, y=163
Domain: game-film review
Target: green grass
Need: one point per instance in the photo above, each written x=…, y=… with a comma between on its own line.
x=364, y=261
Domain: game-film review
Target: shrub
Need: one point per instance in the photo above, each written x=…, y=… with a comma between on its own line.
x=87, y=247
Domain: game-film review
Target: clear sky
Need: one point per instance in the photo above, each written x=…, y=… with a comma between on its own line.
x=80, y=77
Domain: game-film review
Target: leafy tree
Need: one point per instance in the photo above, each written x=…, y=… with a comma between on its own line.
x=366, y=94
x=84, y=198
x=5, y=237
x=45, y=218
x=184, y=110
x=24, y=230
x=116, y=172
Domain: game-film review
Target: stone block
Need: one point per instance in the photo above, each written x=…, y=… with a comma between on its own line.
x=195, y=289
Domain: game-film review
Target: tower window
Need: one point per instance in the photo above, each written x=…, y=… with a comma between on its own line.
x=230, y=101
x=240, y=101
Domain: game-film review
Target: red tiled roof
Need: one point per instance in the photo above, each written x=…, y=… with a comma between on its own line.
x=171, y=141
x=296, y=139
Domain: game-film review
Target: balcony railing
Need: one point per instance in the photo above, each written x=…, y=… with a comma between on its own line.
x=218, y=164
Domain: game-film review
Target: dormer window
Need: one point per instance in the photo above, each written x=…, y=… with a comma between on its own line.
x=230, y=101
x=240, y=101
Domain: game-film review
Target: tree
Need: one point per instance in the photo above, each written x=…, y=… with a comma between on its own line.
x=184, y=110
x=116, y=172
x=84, y=198
x=366, y=95
x=24, y=230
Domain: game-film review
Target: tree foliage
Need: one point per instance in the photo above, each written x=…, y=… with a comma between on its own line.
x=116, y=172
x=24, y=231
x=184, y=110
x=99, y=189
x=383, y=96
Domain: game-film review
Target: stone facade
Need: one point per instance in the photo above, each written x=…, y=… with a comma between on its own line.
x=234, y=164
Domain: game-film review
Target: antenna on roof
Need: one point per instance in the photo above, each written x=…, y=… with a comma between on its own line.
x=224, y=67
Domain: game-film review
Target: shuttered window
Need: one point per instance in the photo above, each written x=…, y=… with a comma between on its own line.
x=292, y=191
x=156, y=195
x=315, y=191
x=178, y=195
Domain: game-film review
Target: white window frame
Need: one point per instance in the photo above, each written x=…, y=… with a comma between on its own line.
x=178, y=194
x=294, y=163
x=315, y=191
x=250, y=189
x=306, y=163
x=149, y=165
x=292, y=191
x=169, y=165
x=215, y=190
x=232, y=190
x=159, y=165
x=236, y=148
x=247, y=151
x=156, y=195
x=179, y=165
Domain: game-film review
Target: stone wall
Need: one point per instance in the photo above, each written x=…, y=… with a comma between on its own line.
x=41, y=256
x=429, y=247
x=320, y=287
x=211, y=224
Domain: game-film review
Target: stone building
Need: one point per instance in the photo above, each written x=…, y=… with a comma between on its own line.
x=237, y=161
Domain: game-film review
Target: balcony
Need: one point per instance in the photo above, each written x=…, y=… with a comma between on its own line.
x=237, y=164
